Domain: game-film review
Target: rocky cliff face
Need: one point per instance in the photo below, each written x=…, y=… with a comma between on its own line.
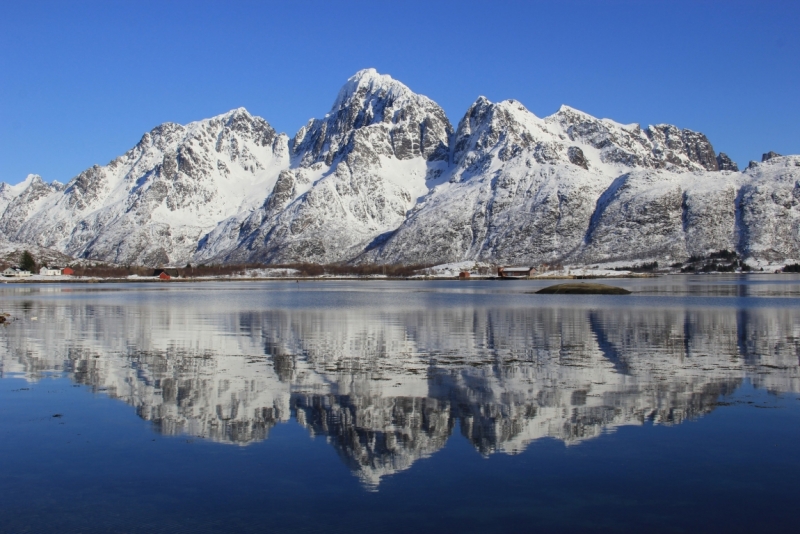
x=768, y=209
x=384, y=178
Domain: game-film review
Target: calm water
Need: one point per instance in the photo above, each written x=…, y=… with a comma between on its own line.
x=401, y=407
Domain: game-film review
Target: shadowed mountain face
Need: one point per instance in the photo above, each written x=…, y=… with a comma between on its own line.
x=389, y=379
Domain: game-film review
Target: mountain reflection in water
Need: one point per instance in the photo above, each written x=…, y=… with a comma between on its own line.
x=390, y=385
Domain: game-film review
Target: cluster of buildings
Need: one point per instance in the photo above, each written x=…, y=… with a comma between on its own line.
x=505, y=272
x=16, y=272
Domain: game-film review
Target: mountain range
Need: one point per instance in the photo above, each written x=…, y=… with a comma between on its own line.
x=385, y=178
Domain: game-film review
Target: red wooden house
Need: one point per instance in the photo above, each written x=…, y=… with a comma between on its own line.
x=166, y=274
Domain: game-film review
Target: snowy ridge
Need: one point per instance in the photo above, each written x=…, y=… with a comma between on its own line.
x=384, y=178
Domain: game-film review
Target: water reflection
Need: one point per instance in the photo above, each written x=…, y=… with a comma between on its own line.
x=390, y=386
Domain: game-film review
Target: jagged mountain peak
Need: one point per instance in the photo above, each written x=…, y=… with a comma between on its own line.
x=29, y=180
x=505, y=127
x=508, y=129
x=568, y=111
x=229, y=118
x=775, y=161
x=482, y=108
x=573, y=115
x=404, y=124
x=241, y=110
x=660, y=146
x=31, y=186
x=238, y=120
x=32, y=182
x=368, y=83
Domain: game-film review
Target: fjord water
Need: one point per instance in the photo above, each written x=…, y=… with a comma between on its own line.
x=400, y=406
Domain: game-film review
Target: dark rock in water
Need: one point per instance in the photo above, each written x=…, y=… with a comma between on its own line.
x=725, y=163
x=583, y=289
x=576, y=157
x=769, y=155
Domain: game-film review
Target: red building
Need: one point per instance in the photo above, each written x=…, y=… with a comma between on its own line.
x=166, y=274
x=66, y=271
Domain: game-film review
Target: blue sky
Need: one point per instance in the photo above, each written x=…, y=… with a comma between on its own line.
x=81, y=81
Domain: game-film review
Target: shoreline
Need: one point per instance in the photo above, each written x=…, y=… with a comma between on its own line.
x=151, y=280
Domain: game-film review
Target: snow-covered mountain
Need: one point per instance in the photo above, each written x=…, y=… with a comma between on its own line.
x=355, y=174
x=383, y=178
x=573, y=188
x=153, y=204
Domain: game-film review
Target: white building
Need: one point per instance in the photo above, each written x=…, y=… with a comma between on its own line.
x=50, y=271
x=16, y=272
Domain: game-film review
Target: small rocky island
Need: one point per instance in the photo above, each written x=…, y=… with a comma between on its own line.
x=583, y=288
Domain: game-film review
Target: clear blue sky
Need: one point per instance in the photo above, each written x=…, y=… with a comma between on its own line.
x=81, y=81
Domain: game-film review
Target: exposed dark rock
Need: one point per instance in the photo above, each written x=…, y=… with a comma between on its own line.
x=84, y=189
x=769, y=155
x=699, y=149
x=576, y=157
x=724, y=163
